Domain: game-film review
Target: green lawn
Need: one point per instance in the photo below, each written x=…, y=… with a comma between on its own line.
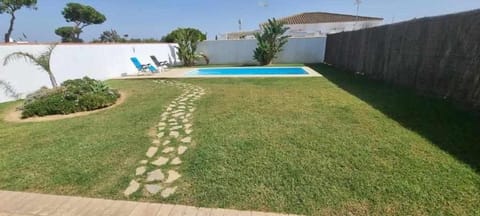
x=327, y=145
x=92, y=155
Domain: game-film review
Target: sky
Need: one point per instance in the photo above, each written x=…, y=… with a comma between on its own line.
x=155, y=18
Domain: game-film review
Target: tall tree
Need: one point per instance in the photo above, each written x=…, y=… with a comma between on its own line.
x=12, y=6
x=270, y=41
x=67, y=34
x=187, y=40
x=42, y=61
x=172, y=36
x=111, y=37
x=82, y=16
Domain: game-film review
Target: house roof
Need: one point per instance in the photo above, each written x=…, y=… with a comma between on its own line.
x=322, y=17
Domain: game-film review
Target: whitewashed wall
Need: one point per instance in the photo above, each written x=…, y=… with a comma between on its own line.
x=104, y=61
x=322, y=29
x=297, y=50
x=99, y=61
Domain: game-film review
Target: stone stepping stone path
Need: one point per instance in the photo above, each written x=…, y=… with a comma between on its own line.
x=158, y=173
x=176, y=161
x=140, y=170
x=132, y=187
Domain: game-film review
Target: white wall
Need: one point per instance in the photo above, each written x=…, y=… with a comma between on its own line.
x=22, y=76
x=104, y=61
x=99, y=61
x=310, y=30
x=322, y=29
x=297, y=50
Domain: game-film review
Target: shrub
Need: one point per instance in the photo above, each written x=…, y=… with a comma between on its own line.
x=270, y=42
x=42, y=92
x=187, y=40
x=72, y=96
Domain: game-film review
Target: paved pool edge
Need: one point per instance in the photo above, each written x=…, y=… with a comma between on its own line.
x=182, y=73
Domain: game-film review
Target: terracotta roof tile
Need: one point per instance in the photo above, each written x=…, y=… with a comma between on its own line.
x=322, y=17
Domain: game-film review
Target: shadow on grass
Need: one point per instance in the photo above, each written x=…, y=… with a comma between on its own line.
x=451, y=129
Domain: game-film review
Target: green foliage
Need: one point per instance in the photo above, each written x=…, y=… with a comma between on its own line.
x=82, y=16
x=42, y=61
x=85, y=85
x=113, y=37
x=72, y=96
x=173, y=36
x=42, y=92
x=8, y=89
x=110, y=37
x=204, y=57
x=132, y=40
x=10, y=7
x=52, y=102
x=270, y=42
x=68, y=33
x=143, y=40
x=187, y=40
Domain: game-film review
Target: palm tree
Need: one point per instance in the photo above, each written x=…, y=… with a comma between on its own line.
x=270, y=41
x=8, y=89
x=187, y=40
x=42, y=61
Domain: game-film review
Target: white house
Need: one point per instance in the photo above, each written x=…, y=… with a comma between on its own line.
x=315, y=24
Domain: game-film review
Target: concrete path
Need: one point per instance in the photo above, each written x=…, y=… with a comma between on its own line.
x=28, y=204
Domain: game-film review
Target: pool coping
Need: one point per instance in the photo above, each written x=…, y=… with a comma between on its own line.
x=182, y=73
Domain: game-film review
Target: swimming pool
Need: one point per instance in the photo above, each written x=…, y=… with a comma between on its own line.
x=249, y=71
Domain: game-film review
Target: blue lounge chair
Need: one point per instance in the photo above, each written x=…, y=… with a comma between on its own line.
x=143, y=67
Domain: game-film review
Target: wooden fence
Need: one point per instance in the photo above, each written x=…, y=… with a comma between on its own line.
x=436, y=55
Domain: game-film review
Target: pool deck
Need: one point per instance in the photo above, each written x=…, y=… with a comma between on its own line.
x=23, y=204
x=182, y=73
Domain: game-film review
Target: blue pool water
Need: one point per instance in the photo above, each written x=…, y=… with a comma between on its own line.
x=249, y=71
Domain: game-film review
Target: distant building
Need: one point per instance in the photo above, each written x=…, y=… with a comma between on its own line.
x=238, y=35
x=315, y=24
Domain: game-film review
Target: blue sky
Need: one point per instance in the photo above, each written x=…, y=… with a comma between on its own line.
x=154, y=18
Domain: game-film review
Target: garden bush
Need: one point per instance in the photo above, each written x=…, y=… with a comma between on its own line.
x=72, y=96
x=270, y=42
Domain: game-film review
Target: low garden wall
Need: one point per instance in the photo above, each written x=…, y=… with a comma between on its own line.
x=297, y=50
x=104, y=61
x=69, y=61
x=436, y=55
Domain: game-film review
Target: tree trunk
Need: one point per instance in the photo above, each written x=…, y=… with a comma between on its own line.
x=10, y=28
x=77, y=31
x=77, y=36
x=73, y=34
x=52, y=80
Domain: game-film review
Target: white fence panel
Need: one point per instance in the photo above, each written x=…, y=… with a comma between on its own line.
x=297, y=50
x=69, y=61
x=104, y=61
